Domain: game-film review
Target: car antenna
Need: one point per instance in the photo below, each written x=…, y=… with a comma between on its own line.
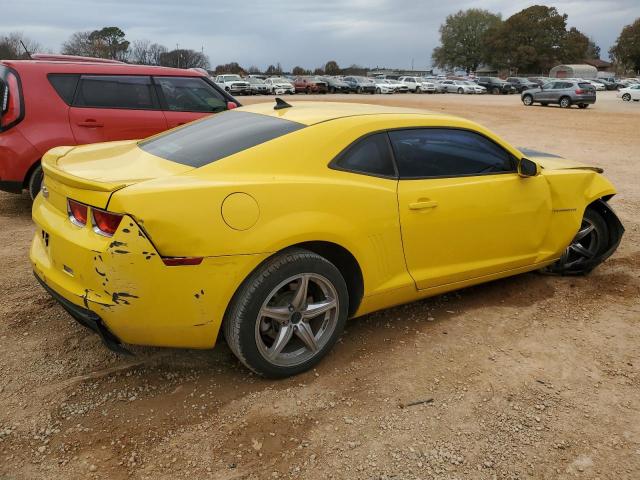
x=280, y=104
x=26, y=50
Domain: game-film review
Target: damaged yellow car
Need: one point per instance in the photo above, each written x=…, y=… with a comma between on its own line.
x=274, y=224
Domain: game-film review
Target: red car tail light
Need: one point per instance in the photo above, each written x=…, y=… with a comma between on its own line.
x=105, y=223
x=11, y=109
x=78, y=212
x=580, y=91
x=176, y=261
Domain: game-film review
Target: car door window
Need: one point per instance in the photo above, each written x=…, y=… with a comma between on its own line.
x=190, y=94
x=439, y=152
x=115, y=91
x=370, y=155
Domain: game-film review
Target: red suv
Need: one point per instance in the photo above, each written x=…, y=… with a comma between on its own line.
x=56, y=100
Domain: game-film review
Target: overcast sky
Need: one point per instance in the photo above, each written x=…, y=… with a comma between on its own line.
x=372, y=33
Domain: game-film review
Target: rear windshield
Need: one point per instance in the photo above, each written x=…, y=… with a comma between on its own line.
x=585, y=85
x=216, y=137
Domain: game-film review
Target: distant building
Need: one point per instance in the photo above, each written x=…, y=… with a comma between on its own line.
x=396, y=73
x=601, y=65
x=486, y=70
x=584, y=70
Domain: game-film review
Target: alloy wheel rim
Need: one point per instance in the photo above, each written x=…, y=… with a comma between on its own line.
x=297, y=319
x=584, y=246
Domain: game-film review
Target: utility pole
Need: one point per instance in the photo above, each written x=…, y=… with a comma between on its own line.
x=178, y=53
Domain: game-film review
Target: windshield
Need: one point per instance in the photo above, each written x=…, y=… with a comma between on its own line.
x=216, y=137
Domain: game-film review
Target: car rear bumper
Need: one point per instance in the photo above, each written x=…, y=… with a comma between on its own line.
x=123, y=282
x=590, y=100
x=17, y=156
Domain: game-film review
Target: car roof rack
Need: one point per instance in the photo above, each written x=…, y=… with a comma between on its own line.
x=71, y=58
x=280, y=104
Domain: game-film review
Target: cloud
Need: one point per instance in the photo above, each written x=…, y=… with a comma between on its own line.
x=391, y=33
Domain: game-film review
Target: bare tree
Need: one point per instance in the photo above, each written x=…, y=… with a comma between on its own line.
x=11, y=46
x=155, y=53
x=183, y=58
x=80, y=43
x=140, y=52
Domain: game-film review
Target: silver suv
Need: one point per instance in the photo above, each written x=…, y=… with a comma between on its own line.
x=563, y=92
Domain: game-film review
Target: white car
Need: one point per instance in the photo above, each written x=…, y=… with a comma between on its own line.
x=384, y=86
x=479, y=89
x=630, y=93
x=599, y=86
x=280, y=86
x=233, y=84
x=457, y=86
x=417, y=85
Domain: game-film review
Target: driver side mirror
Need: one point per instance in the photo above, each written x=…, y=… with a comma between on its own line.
x=527, y=168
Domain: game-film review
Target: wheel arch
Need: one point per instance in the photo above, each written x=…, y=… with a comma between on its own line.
x=27, y=176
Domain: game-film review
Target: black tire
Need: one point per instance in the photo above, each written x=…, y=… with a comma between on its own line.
x=565, y=102
x=460, y=91
x=572, y=261
x=626, y=97
x=332, y=89
x=583, y=105
x=495, y=91
x=35, y=182
x=544, y=104
x=359, y=90
x=378, y=91
x=527, y=100
x=243, y=313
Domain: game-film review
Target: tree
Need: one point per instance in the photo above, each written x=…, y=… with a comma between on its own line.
x=577, y=47
x=184, y=58
x=529, y=41
x=462, y=39
x=79, y=44
x=253, y=69
x=11, y=46
x=318, y=71
x=109, y=42
x=297, y=70
x=274, y=69
x=155, y=53
x=626, y=50
x=232, y=67
x=140, y=52
x=332, y=68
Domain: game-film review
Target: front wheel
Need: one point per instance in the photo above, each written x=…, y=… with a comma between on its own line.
x=287, y=314
x=378, y=90
x=495, y=91
x=527, y=100
x=460, y=91
x=35, y=182
x=626, y=97
x=585, y=251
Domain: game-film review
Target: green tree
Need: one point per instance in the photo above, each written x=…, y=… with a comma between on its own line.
x=462, y=39
x=577, y=47
x=529, y=41
x=184, y=58
x=297, y=70
x=626, y=50
x=332, y=68
x=109, y=42
x=233, y=67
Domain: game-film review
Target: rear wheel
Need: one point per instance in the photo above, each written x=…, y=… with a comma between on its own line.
x=288, y=314
x=565, y=102
x=460, y=90
x=527, y=100
x=584, y=252
x=35, y=182
x=495, y=91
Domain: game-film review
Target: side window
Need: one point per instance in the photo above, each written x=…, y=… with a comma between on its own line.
x=190, y=94
x=65, y=85
x=117, y=91
x=439, y=152
x=370, y=155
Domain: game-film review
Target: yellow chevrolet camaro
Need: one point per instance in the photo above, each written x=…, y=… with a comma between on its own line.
x=276, y=223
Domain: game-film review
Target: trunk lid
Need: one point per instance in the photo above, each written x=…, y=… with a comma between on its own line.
x=91, y=173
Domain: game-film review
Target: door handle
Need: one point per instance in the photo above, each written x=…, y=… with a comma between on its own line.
x=90, y=123
x=423, y=205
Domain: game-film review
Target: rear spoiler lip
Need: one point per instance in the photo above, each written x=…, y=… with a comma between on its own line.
x=50, y=167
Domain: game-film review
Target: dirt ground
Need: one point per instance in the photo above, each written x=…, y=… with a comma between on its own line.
x=530, y=377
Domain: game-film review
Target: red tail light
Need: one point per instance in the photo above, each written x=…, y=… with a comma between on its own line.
x=580, y=91
x=10, y=101
x=105, y=223
x=78, y=212
x=176, y=261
